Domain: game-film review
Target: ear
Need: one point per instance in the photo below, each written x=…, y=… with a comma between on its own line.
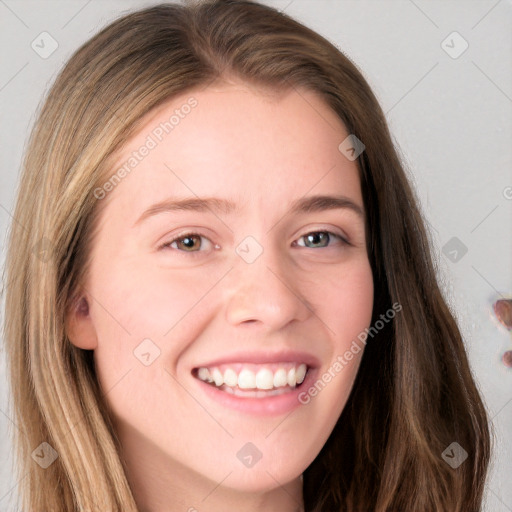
x=79, y=326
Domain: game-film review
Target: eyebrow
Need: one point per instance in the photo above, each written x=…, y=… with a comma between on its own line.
x=217, y=205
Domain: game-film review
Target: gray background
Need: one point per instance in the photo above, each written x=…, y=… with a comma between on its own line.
x=451, y=118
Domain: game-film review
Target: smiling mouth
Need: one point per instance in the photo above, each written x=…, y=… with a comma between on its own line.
x=254, y=380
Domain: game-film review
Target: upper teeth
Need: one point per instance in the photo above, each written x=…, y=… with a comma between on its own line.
x=266, y=377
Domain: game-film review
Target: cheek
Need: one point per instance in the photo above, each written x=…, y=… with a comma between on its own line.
x=347, y=313
x=347, y=310
x=148, y=301
x=147, y=315
x=346, y=303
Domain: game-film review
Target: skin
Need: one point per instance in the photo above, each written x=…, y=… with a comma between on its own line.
x=262, y=150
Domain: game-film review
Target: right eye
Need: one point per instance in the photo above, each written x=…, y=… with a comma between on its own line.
x=188, y=240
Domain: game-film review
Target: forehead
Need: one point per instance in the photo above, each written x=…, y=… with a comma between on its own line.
x=237, y=141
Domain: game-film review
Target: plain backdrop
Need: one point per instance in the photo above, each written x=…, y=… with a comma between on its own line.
x=448, y=101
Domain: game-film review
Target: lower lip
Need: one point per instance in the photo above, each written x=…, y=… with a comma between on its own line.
x=266, y=406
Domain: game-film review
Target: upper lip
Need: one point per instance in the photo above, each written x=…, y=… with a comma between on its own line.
x=281, y=356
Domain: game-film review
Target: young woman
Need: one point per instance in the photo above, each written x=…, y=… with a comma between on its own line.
x=220, y=292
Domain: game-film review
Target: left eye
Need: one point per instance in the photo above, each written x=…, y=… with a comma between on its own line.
x=316, y=237
x=188, y=242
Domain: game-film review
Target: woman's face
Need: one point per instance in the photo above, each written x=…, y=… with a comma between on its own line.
x=247, y=295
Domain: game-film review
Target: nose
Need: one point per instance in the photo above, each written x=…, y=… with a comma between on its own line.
x=265, y=291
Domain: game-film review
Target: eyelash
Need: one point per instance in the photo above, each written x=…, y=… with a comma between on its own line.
x=182, y=236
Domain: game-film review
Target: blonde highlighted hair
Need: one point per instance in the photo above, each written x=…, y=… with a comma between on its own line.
x=414, y=393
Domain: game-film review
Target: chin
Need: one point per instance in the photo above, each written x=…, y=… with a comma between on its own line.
x=261, y=479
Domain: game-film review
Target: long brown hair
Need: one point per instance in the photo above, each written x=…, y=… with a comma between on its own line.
x=414, y=394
